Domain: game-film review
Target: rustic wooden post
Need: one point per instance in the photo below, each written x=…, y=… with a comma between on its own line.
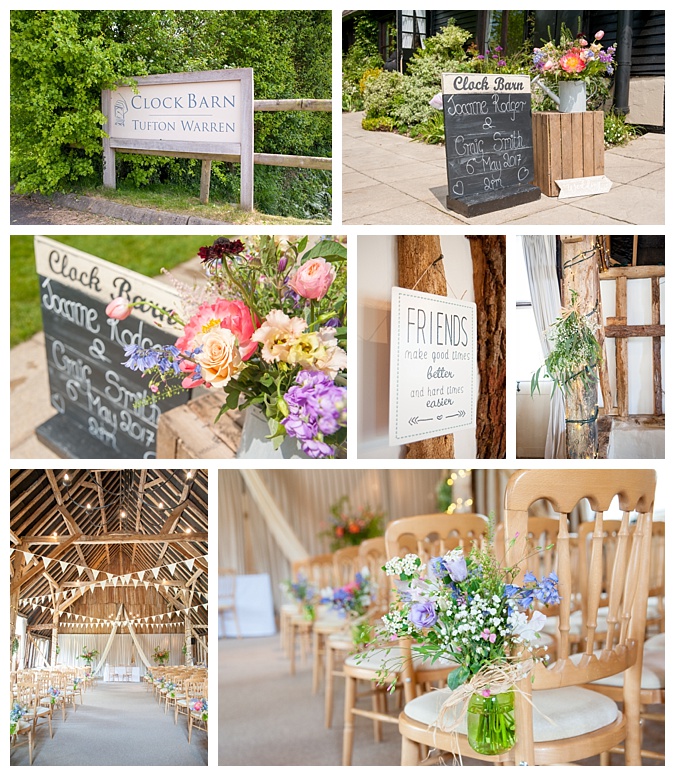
x=205, y=182
x=419, y=268
x=489, y=286
x=17, y=562
x=656, y=347
x=580, y=274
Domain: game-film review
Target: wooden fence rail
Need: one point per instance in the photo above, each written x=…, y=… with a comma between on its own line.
x=274, y=160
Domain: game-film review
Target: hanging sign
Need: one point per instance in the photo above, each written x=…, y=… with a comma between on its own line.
x=488, y=142
x=432, y=384
x=93, y=393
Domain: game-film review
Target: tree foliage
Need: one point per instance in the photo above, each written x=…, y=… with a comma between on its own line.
x=61, y=60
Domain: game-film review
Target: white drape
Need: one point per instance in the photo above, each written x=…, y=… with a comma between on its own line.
x=540, y=261
x=122, y=650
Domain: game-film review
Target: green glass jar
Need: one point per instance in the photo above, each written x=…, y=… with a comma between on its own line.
x=491, y=725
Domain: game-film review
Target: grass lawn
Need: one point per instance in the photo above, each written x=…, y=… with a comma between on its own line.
x=175, y=201
x=146, y=254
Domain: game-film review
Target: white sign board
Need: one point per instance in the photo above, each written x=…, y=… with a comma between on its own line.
x=583, y=187
x=432, y=383
x=204, y=115
x=209, y=111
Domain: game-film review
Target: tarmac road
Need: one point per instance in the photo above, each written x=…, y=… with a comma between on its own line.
x=26, y=210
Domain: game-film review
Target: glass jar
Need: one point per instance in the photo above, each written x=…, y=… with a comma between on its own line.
x=491, y=725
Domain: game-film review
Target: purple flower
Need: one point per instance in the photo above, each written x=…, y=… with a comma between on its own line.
x=456, y=566
x=317, y=408
x=423, y=615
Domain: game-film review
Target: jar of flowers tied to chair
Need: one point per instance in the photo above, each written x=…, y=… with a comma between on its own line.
x=464, y=609
x=352, y=601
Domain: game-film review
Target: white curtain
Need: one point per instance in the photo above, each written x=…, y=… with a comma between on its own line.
x=540, y=260
x=122, y=651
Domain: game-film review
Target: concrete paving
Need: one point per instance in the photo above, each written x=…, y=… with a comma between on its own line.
x=391, y=179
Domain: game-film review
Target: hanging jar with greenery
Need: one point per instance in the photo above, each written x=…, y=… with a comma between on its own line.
x=576, y=353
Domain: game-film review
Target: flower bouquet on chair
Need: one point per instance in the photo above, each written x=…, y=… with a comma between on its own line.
x=304, y=594
x=269, y=330
x=353, y=601
x=15, y=714
x=464, y=609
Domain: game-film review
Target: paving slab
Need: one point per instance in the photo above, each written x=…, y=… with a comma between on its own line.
x=418, y=171
x=418, y=213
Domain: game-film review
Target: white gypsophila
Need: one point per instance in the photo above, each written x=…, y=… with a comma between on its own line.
x=397, y=566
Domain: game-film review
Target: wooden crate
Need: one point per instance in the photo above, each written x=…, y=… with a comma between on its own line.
x=567, y=145
x=189, y=431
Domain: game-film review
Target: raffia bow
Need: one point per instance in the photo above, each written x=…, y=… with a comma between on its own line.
x=496, y=679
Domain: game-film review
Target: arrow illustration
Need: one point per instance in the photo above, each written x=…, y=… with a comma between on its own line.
x=459, y=414
x=415, y=420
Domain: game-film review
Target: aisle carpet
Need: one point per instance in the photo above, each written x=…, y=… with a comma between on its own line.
x=117, y=724
x=268, y=717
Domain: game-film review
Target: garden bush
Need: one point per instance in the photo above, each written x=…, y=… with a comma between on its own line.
x=61, y=60
x=380, y=94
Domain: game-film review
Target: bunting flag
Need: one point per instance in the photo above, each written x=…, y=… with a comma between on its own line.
x=46, y=561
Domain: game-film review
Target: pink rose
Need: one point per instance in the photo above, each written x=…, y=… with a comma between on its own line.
x=600, y=34
x=223, y=314
x=549, y=65
x=119, y=309
x=313, y=279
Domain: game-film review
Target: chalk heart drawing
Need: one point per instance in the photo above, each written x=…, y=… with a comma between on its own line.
x=523, y=174
x=58, y=402
x=439, y=417
x=458, y=188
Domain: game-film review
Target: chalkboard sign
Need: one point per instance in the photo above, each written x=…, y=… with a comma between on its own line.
x=488, y=142
x=432, y=385
x=93, y=393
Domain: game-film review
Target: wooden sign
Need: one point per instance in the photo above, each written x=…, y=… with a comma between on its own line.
x=583, y=187
x=432, y=384
x=488, y=142
x=91, y=390
x=205, y=115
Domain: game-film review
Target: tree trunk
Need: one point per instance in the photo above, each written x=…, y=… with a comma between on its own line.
x=419, y=267
x=580, y=274
x=489, y=285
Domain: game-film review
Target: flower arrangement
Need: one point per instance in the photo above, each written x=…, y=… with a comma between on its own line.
x=160, y=656
x=200, y=706
x=576, y=352
x=464, y=610
x=348, y=529
x=15, y=714
x=574, y=58
x=54, y=695
x=269, y=329
x=352, y=599
x=88, y=655
x=304, y=593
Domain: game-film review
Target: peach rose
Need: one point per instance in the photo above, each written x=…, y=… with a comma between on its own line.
x=313, y=279
x=220, y=359
x=119, y=309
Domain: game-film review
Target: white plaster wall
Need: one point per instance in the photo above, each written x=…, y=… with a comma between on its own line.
x=377, y=273
x=639, y=305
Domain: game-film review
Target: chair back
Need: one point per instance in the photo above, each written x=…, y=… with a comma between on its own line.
x=614, y=562
x=345, y=565
x=433, y=535
x=372, y=555
x=316, y=569
x=227, y=581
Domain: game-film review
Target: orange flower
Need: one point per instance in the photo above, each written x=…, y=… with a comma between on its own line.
x=573, y=61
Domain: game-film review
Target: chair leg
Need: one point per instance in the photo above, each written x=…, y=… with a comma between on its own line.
x=377, y=708
x=316, y=667
x=328, y=702
x=409, y=752
x=348, y=732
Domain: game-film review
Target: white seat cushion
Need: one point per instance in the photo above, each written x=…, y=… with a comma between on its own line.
x=558, y=714
x=392, y=658
x=656, y=642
